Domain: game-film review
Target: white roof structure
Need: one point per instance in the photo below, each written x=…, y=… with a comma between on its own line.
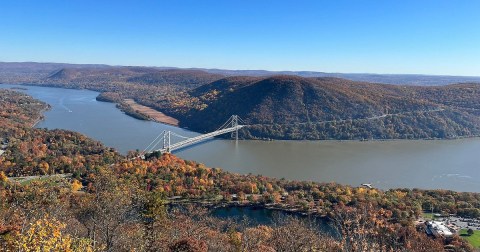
x=439, y=228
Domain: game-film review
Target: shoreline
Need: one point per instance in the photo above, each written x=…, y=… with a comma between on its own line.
x=363, y=141
x=151, y=113
x=42, y=116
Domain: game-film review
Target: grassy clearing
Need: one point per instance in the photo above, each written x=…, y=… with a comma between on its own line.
x=428, y=216
x=474, y=239
x=50, y=180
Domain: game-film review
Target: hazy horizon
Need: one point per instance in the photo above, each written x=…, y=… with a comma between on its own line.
x=223, y=69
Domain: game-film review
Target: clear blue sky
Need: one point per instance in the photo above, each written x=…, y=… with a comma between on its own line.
x=381, y=36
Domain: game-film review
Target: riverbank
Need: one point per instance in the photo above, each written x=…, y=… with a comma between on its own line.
x=42, y=116
x=151, y=113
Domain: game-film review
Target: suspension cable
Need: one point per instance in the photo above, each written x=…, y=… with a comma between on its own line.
x=225, y=124
x=161, y=134
x=177, y=135
x=153, y=147
x=241, y=120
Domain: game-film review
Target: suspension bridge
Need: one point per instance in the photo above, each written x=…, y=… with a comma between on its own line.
x=232, y=125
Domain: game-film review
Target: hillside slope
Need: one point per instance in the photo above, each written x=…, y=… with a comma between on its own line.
x=289, y=107
x=103, y=78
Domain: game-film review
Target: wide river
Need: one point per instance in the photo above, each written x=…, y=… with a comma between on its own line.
x=446, y=164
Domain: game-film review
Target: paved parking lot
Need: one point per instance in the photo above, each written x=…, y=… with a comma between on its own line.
x=458, y=223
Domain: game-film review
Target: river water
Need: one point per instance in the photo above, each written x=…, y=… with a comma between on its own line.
x=433, y=164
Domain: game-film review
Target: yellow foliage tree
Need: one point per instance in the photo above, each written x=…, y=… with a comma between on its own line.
x=44, y=167
x=43, y=235
x=269, y=187
x=361, y=190
x=3, y=177
x=46, y=235
x=76, y=185
x=400, y=194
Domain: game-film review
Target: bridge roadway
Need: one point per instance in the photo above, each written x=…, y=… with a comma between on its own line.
x=199, y=138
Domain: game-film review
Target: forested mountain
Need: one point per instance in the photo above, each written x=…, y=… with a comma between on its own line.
x=397, y=79
x=131, y=75
x=103, y=77
x=290, y=107
x=27, y=72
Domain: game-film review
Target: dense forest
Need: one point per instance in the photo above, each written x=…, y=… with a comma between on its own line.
x=32, y=151
x=116, y=203
x=278, y=107
x=286, y=107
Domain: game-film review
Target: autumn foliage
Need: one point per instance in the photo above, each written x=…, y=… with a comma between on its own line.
x=116, y=203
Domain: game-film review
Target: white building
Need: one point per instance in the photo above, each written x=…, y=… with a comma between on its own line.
x=438, y=228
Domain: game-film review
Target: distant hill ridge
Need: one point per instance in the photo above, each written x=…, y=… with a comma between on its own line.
x=38, y=71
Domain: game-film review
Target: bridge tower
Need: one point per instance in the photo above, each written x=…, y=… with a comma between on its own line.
x=234, y=125
x=166, y=141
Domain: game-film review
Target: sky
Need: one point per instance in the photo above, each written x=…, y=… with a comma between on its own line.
x=382, y=36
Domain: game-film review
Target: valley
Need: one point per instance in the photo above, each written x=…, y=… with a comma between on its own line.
x=283, y=107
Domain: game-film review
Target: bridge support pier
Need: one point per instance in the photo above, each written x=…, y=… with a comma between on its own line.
x=235, y=124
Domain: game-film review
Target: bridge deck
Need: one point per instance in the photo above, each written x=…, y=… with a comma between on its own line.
x=199, y=138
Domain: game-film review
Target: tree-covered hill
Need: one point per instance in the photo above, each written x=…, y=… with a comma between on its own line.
x=290, y=107
x=101, y=78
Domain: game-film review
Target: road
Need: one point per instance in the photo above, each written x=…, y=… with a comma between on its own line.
x=358, y=119
x=28, y=178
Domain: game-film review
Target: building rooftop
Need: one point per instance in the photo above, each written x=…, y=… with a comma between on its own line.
x=439, y=228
